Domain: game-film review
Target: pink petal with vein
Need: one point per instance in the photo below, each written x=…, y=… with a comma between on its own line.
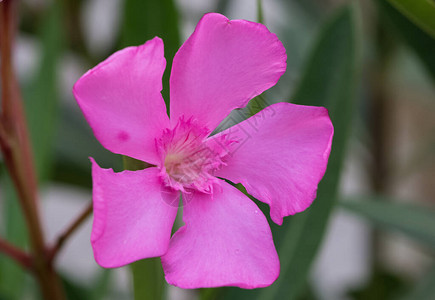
x=121, y=100
x=132, y=220
x=281, y=156
x=222, y=66
x=226, y=242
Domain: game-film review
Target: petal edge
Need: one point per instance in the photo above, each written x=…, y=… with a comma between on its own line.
x=226, y=242
x=222, y=65
x=121, y=100
x=290, y=144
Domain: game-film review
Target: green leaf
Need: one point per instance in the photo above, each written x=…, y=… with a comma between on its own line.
x=12, y=275
x=95, y=291
x=145, y=19
x=259, y=102
x=416, y=222
x=329, y=80
x=74, y=290
x=420, y=41
x=260, y=14
x=424, y=289
x=74, y=144
x=421, y=12
x=101, y=287
x=381, y=284
x=222, y=6
x=148, y=279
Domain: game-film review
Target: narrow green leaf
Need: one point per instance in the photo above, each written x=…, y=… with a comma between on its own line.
x=145, y=19
x=133, y=164
x=96, y=291
x=260, y=14
x=12, y=275
x=101, y=288
x=416, y=222
x=222, y=6
x=148, y=279
x=424, y=289
x=421, y=12
x=74, y=290
x=329, y=80
x=211, y=293
x=421, y=42
x=75, y=142
x=258, y=103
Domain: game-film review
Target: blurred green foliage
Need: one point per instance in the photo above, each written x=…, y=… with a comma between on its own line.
x=421, y=12
x=414, y=221
x=333, y=69
x=145, y=19
x=424, y=289
x=420, y=41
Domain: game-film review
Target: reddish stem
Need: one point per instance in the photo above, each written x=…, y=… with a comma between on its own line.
x=17, y=154
x=69, y=231
x=16, y=254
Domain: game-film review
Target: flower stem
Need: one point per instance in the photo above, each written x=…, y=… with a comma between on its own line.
x=15, y=145
x=4, y=141
x=16, y=254
x=69, y=231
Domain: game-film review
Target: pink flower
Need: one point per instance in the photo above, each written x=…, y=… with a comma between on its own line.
x=279, y=155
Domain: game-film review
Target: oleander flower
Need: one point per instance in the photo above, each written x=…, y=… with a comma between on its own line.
x=279, y=155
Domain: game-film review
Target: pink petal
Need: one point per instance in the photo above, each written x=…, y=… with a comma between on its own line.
x=132, y=220
x=226, y=242
x=121, y=100
x=222, y=66
x=281, y=156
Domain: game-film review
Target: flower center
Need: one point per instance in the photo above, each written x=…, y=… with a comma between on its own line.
x=188, y=159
